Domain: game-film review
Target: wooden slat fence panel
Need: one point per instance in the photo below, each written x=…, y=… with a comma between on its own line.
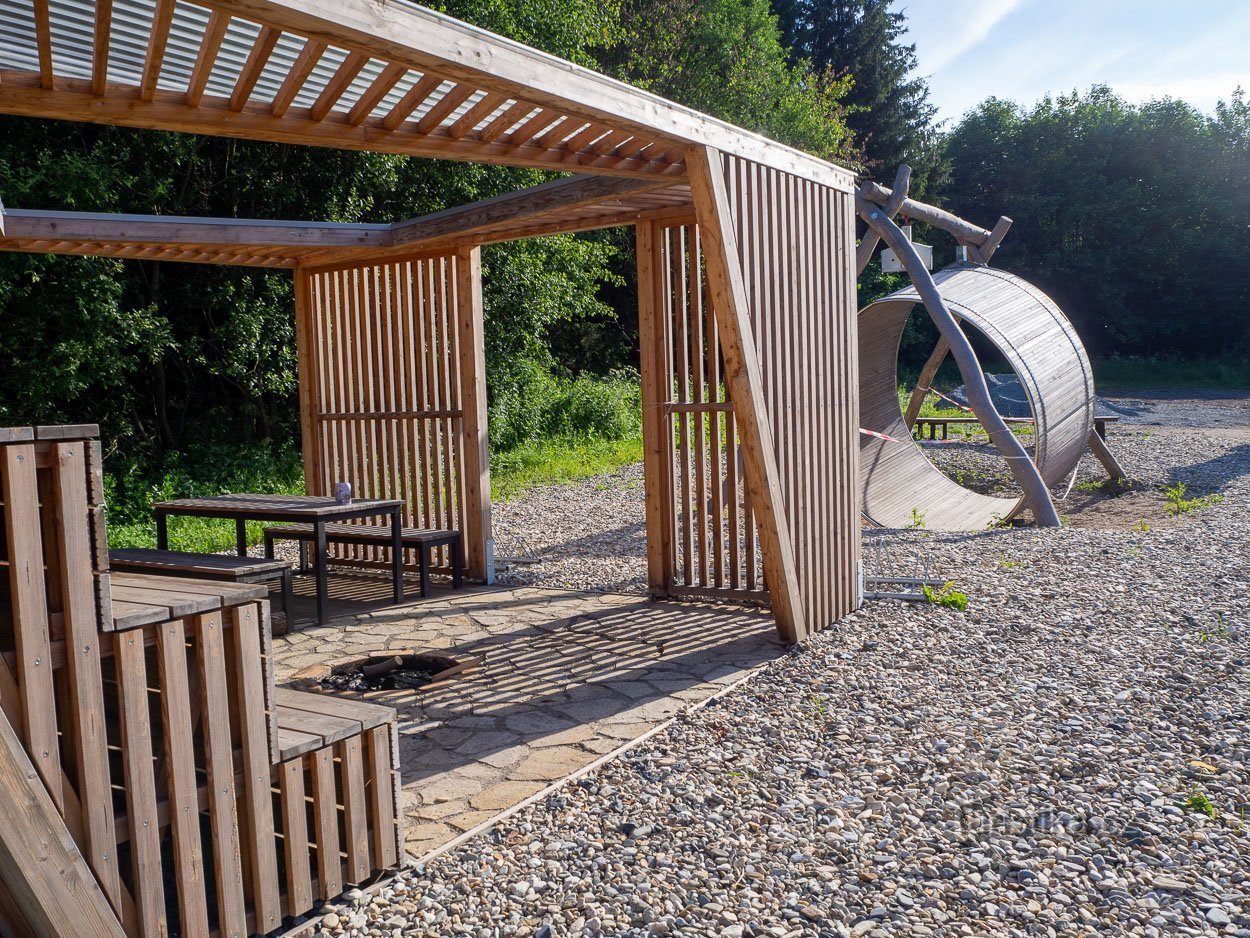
x=701, y=526
x=795, y=238
x=383, y=395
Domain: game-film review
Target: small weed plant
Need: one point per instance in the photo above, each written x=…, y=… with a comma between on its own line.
x=917, y=520
x=1179, y=504
x=1198, y=803
x=947, y=596
x=1006, y=563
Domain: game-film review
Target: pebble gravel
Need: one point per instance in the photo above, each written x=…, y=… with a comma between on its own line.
x=1069, y=756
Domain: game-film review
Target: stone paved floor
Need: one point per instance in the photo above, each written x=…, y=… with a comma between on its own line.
x=568, y=677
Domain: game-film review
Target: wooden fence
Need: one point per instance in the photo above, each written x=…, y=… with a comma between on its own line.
x=393, y=395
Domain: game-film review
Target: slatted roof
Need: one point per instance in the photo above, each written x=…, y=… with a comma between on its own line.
x=384, y=75
x=575, y=204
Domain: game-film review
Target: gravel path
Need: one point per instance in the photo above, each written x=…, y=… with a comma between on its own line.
x=1071, y=756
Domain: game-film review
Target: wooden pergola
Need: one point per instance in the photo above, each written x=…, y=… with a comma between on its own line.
x=746, y=270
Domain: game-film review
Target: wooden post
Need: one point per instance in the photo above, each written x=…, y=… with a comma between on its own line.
x=746, y=387
x=868, y=244
x=925, y=381
x=657, y=390
x=310, y=430
x=1023, y=469
x=479, y=542
x=1102, y=452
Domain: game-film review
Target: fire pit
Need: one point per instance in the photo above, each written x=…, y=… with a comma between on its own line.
x=393, y=671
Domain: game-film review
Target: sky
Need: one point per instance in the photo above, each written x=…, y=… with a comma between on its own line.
x=1023, y=50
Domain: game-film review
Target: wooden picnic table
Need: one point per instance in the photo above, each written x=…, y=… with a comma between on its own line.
x=311, y=509
x=1100, y=424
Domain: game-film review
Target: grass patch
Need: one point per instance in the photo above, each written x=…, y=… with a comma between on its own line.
x=553, y=462
x=1131, y=373
x=215, y=470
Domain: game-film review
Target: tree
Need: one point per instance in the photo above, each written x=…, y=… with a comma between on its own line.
x=1132, y=217
x=887, y=107
x=726, y=58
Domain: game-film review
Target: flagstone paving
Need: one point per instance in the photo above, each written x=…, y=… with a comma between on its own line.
x=568, y=677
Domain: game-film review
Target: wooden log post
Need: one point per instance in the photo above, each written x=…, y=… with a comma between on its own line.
x=925, y=381
x=728, y=293
x=1023, y=469
x=868, y=244
x=479, y=542
x=1102, y=452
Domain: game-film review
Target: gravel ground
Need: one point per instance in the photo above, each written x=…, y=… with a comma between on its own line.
x=1070, y=756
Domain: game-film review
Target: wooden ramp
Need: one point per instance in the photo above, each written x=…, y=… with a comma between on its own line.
x=149, y=779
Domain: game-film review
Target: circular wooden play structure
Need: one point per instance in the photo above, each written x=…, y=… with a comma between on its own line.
x=1042, y=348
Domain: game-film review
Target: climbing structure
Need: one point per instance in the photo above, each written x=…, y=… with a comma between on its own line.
x=898, y=482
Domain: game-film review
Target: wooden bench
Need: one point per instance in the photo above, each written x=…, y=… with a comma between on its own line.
x=208, y=567
x=933, y=423
x=423, y=540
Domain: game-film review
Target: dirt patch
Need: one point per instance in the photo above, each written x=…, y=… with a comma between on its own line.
x=1127, y=511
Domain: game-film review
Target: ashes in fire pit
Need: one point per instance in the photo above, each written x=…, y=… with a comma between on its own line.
x=400, y=670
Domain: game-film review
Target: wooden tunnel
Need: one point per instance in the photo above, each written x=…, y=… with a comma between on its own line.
x=1042, y=348
x=746, y=277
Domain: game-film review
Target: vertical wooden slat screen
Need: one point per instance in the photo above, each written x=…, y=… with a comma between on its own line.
x=383, y=393
x=700, y=524
x=795, y=242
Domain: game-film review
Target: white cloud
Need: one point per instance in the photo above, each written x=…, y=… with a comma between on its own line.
x=967, y=23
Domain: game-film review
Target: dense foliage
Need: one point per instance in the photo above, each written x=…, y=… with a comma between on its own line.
x=1133, y=217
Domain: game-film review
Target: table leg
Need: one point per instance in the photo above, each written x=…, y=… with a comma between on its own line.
x=162, y=530
x=320, y=561
x=288, y=599
x=397, y=554
x=240, y=536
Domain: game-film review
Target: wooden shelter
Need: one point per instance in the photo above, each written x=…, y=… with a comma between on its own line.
x=746, y=276
x=748, y=350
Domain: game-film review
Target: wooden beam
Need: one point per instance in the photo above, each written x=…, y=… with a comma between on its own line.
x=100, y=45
x=656, y=394
x=72, y=100
x=443, y=107
x=925, y=381
x=210, y=45
x=479, y=541
x=262, y=48
x=746, y=387
x=310, y=428
x=929, y=214
x=868, y=244
x=158, y=38
x=343, y=76
x=426, y=40
x=997, y=233
x=476, y=114
x=43, y=44
x=505, y=121
x=413, y=98
x=307, y=60
x=40, y=864
x=387, y=79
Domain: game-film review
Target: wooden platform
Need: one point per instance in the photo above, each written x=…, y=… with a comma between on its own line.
x=143, y=738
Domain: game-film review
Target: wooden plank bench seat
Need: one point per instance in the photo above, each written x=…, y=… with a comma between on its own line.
x=231, y=569
x=343, y=756
x=423, y=540
x=933, y=423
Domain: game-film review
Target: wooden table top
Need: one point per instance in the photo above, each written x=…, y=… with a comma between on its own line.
x=277, y=507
